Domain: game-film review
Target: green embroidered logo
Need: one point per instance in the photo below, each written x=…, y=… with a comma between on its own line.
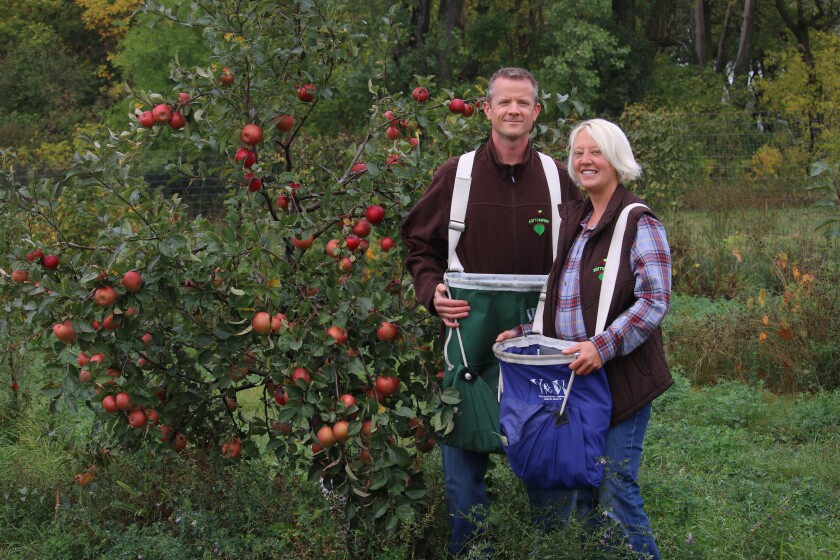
x=600, y=271
x=539, y=223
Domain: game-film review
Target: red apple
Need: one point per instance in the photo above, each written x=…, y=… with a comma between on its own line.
x=82, y=359
x=300, y=373
x=414, y=141
x=146, y=119
x=261, y=322
x=278, y=322
x=386, y=385
x=113, y=373
x=180, y=442
x=162, y=113
x=137, y=418
x=152, y=416
x=420, y=94
x=166, y=433
x=284, y=123
x=20, y=276
x=112, y=323
x=358, y=167
x=85, y=376
x=326, y=437
x=132, y=281
x=147, y=339
x=251, y=134
x=178, y=121
x=283, y=201
x=352, y=242
x=254, y=183
x=246, y=156
x=386, y=244
x=237, y=372
x=375, y=214
x=231, y=404
x=341, y=430
x=456, y=105
x=348, y=400
x=64, y=332
x=109, y=404
x=105, y=296
x=340, y=335
x=123, y=401
x=184, y=98
x=231, y=449
x=50, y=262
x=334, y=248
x=395, y=159
x=392, y=133
x=366, y=431
x=469, y=109
x=306, y=93
x=97, y=359
x=303, y=243
x=345, y=264
x=280, y=396
x=387, y=332
x=362, y=228
x=425, y=445
x=227, y=77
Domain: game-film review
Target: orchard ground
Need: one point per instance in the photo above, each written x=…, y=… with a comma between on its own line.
x=729, y=471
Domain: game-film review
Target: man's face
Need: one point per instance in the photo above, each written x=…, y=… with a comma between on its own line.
x=512, y=110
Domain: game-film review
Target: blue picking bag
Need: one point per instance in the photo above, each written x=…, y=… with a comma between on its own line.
x=553, y=423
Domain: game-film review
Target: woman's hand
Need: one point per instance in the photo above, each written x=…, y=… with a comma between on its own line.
x=588, y=359
x=506, y=335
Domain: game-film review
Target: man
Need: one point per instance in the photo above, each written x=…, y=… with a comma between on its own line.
x=507, y=231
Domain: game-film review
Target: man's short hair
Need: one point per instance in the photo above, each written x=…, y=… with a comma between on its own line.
x=512, y=73
x=614, y=145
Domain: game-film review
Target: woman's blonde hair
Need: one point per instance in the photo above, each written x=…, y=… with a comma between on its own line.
x=614, y=145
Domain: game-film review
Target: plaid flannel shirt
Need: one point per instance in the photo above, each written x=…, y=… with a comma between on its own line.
x=650, y=260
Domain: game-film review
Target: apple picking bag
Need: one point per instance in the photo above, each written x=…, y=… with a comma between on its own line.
x=497, y=303
x=555, y=436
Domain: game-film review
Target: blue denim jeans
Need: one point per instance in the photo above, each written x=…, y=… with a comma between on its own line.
x=619, y=496
x=466, y=494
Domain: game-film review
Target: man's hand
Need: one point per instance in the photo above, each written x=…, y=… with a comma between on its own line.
x=588, y=359
x=450, y=310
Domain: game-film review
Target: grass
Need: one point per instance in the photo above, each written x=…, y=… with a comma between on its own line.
x=729, y=471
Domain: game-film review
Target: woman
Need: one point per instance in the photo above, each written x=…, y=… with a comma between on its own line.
x=630, y=348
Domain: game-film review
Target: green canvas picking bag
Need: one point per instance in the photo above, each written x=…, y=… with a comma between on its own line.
x=497, y=303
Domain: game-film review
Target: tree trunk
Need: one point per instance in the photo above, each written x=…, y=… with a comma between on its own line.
x=658, y=29
x=701, y=32
x=452, y=14
x=420, y=18
x=799, y=28
x=742, y=61
x=720, y=60
x=624, y=12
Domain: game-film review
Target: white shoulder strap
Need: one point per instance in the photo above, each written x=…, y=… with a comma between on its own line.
x=553, y=178
x=610, y=276
x=458, y=209
x=611, y=267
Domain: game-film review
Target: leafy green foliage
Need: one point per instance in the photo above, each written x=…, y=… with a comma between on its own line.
x=206, y=282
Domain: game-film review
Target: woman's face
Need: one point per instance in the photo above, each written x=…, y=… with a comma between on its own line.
x=593, y=170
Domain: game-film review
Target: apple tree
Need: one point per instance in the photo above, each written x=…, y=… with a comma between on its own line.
x=294, y=290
